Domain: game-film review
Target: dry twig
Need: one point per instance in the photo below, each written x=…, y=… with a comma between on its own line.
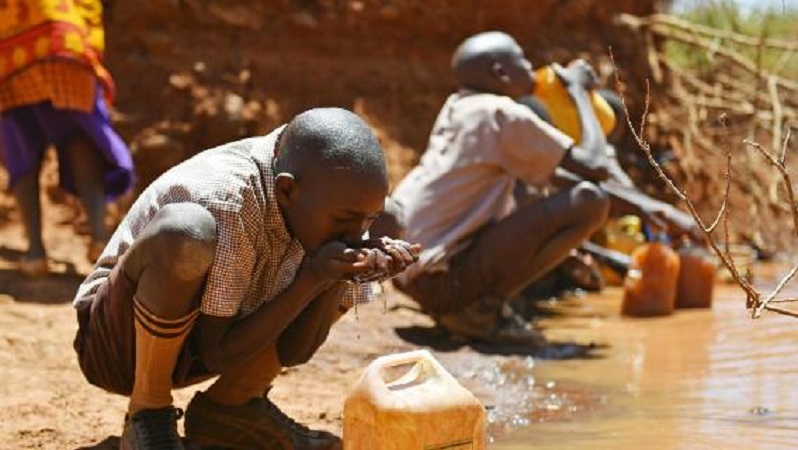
x=755, y=300
x=753, y=100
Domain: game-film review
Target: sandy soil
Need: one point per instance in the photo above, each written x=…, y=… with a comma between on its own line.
x=246, y=88
x=46, y=404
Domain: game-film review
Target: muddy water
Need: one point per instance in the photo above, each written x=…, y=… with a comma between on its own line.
x=697, y=379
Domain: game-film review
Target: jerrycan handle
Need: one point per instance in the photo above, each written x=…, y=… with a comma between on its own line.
x=427, y=367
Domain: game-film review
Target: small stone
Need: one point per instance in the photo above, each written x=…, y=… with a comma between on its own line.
x=760, y=411
x=180, y=81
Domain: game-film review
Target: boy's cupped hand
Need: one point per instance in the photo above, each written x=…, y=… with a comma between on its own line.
x=386, y=258
x=390, y=256
x=376, y=260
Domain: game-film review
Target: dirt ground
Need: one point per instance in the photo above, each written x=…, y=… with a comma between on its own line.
x=195, y=74
x=192, y=75
x=45, y=403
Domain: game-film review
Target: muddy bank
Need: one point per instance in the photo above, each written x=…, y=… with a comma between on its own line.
x=709, y=377
x=691, y=380
x=193, y=74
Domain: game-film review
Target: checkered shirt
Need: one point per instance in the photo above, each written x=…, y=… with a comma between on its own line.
x=256, y=258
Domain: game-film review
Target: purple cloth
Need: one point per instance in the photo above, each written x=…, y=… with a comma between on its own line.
x=27, y=131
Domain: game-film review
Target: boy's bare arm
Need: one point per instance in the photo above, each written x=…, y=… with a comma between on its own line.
x=299, y=319
x=225, y=342
x=305, y=335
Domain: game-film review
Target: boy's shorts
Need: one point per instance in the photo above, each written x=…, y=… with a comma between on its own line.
x=106, y=340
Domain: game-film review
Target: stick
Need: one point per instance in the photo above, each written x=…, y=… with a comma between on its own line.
x=727, y=261
x=675, y=22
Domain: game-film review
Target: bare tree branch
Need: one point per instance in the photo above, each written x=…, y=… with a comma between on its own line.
x=779, y=165
x=691, y=37
x=752, y=101
x=754, y=299
x=723, y=206
x=783, y=157
x=786, y=279
x=737, y=38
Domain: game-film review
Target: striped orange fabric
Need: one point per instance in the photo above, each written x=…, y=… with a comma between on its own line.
x=49, y=50
x=67, y=85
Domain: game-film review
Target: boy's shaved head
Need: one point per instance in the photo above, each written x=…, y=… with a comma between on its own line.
x=492, y=62
x=330, y=177
x=329, y=138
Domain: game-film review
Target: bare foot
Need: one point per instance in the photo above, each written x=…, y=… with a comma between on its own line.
x=34, y=267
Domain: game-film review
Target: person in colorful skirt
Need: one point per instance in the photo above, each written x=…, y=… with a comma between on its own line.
x=54, y=91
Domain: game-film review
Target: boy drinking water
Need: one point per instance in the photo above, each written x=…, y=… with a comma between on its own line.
x=236, y=263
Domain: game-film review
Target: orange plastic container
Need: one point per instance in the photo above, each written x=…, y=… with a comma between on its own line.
x=621, y=235
x=696, y=277
x=423, y=408
x=650, y=285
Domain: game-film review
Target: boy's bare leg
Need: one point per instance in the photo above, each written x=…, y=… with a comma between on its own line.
x=168, y=264
x=241, y=392
x=171, y=257
x=87, y=170
x=250, y=379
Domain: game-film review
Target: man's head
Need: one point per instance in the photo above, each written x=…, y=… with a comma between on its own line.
x=493, y=62
x=330, y=177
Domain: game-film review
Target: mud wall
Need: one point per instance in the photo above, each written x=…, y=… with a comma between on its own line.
x=192, y=74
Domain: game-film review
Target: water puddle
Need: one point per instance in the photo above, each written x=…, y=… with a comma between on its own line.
x=697, y=379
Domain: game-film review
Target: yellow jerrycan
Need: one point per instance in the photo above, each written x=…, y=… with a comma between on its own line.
x=423, y=408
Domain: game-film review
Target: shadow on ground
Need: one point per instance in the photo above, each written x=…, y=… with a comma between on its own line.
x=50, y=289
x=441, y=340
x=109, y=443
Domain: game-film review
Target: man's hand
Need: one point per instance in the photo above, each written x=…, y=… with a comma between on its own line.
x=578, y=72
x=387, y=257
